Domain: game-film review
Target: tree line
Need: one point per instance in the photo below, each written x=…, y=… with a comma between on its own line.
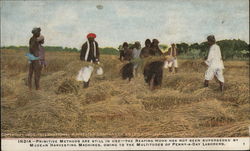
x=106, y=50
x=230, y=49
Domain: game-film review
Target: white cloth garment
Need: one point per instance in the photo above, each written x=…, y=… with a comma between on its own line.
x=136, y=53
x=215, y=64
x=211, y=72
x=85, y=73
x=214, y=59
x=99, y=71
x=172, y=63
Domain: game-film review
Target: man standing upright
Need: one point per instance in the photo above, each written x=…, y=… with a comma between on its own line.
x=136, y=56
x=90, y=49
x=172, y=52
x=145, y=50
x=154, y=49
x=34, y=65
x=127, y=53
x=215, y=63
x=89, y=53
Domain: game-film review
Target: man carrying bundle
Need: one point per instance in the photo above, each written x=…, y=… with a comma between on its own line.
x=89, y=53
x=215, y=63
x=153, y=66
x=154, y=49
x=127, y=52
x=132, y=55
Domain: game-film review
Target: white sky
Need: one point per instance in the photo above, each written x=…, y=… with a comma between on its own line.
x=66, y=23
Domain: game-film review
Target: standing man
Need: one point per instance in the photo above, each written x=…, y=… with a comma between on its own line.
x=145, y=50
x=90, y=49
x=136, y=56
x=154, y=49
x=127, y=52
x=89, y=53
x=172, y=52
x=34, y=65
x=136, y=50
x=215, y=63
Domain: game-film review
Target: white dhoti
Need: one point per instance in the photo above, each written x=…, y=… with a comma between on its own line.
x=85, y=74
x=172, y=63
x=211, y=72
x=215, y=64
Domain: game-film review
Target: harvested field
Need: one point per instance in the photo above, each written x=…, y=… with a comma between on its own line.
x=112, y=107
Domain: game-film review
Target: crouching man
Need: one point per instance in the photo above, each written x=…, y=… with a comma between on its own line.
x=215, y=63
x=89, y=53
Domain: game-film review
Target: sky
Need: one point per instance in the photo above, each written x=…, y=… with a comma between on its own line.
x=66, y=23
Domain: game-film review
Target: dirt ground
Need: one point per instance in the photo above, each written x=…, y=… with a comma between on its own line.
x=112, y=107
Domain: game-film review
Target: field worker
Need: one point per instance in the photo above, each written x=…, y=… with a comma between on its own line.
x=131, y=54
x=89, y=53
x=172, y=52
x=145, y=50
x=215, y=63
x=40, y=40
x=136, y=50
x=154, y=49
x=33, y=55
x=136, y=56
x=127, y=52
x=121, y=51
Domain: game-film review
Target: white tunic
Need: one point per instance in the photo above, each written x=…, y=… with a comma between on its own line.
x=136, y=53
x=214, y=60
x=215, y=64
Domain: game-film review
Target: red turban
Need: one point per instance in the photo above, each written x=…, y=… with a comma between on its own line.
x=91, y=35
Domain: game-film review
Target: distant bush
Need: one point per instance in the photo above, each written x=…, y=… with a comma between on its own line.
x=195, y=53
x=109, y=51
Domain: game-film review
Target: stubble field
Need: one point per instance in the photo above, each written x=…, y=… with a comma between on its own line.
x=112, y=107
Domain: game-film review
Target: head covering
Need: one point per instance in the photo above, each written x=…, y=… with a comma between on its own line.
x=36, y=30
x=40, y=38
x=91, y=35
x=211, y=38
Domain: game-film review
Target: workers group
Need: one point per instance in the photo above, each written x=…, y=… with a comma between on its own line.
x=150, y=59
